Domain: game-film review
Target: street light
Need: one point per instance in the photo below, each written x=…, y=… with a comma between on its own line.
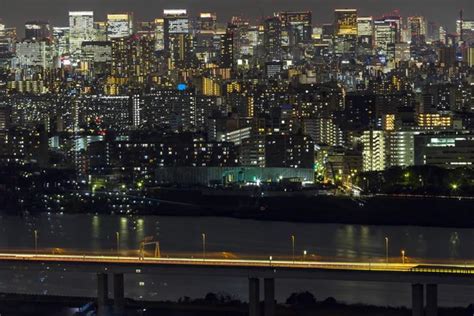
x=36, y=241
x=293, y=248
x=403, y=256
x=117, y=238
x=386, y=250
x=270, y=258
x=304, y=255
x=203, y=246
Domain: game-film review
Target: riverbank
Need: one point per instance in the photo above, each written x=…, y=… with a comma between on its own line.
x=373, y=210
x=365, y=210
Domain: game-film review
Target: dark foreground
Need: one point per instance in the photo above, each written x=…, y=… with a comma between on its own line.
x=29, y=305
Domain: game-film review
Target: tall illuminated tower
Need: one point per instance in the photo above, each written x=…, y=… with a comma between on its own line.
x=81, y=29
x=119, y=25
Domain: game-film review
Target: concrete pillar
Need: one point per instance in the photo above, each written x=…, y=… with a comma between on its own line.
x=431, y=300
x=119, y=295
x=102, y=293
x=269, y=304
x=254, y=297
x=417, y=299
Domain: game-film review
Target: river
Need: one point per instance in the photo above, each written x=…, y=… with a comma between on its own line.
x=234, y=236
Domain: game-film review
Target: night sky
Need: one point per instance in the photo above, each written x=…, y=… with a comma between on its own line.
x=16, y=12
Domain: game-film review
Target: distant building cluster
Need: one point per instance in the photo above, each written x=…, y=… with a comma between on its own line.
x=119, y=99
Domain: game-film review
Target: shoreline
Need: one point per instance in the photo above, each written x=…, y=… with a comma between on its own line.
x=376, y=210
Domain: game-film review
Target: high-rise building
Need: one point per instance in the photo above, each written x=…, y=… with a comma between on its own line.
x=7, y=40
x=374, y=150
x=159, y=34
x=272, y=39
x=345, y=22
x=81, y=28
x=179, y=42
x=345, y=31
x=298, y=26
x=470, y=56
x=401, y=148
x=119, y=25
x=207, y=21
x=34, y=54
x=37, y=30
x=227, y=48
x=465, y=30
x=100, y=29
x=417, y=29
x=385, y=34
x=61, y=40
x=365, y=35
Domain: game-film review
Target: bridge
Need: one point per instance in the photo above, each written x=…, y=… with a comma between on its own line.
x=419, y=275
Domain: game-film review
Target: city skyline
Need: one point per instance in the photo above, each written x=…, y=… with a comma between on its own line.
x=55, y=12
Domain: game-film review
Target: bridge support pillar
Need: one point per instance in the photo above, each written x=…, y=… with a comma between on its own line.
x=431, y=300
x=269, y=304
x=417, y=299
x=119, y=295
x=254, y=297
x=102, y=293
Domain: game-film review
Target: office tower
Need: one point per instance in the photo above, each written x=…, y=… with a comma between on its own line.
x=365, y=35
x=145, y=29
x=176, y=22
x=97, y=55
x=442, y=35
x=179, y=42
x=61, y=40
x=345, y=31
x=119, y=25
x=30, y=54
x=227, y=48
x=7, y=39
x=365, y=26
x=298, y=25
x=81, y=28
x=159, y=34
x=37, y=30
x=207, y=21
x=465, y=30
x=345, y=22
x=397, y=21
x=417, y=29
x=272, y=39
x=100, y=29
x=385, y=35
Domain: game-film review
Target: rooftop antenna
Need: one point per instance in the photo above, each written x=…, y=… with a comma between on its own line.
x=460, y=24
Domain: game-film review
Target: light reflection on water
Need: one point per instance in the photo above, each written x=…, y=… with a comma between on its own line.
x=183, y=235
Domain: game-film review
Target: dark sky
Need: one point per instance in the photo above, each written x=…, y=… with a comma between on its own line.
x=16, y=12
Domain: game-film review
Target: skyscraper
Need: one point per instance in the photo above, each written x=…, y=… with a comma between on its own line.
x=417, y=29
x=385, y=34
x=345, y=31
x=178, y=39
x=81, y=28
x=345, y=22
x=119, y=25
x=272, y=39
x=37, y=30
